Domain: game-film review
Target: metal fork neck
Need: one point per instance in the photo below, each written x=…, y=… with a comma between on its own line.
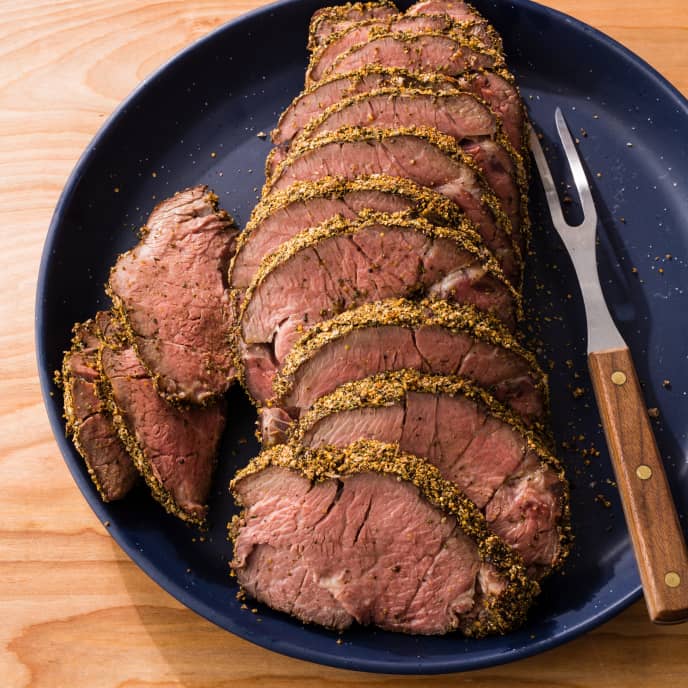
x=602, y=331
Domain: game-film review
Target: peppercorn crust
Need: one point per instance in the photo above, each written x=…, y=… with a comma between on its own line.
x=395, y=76
x=427, y=203
x=160, y=493
x=409, y=314
x=72, y=421
x=444, y=143
x=340, y=13
x=499, y=613
x=521, y=175
x=465, y=236
x=461, y=31
x=461, y=41
x=391, y=387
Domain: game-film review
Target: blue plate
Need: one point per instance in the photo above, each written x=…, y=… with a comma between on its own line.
x=198, y=119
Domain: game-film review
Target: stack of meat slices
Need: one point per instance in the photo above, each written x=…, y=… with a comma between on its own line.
x=144, y=382
x=404, y=482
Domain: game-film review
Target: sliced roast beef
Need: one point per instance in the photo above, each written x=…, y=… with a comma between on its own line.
x=171, y=292
x=495, y=88
x=283, y=215
x=312, y=102
x=89, y=423
x=472, y=439
x=174, y=448
x=432, y=336
x=331, y=20
x=457, y=114
x=423, y=155
x=372, y=535
x=344, y=263
x=479, y=34
x=417, y=52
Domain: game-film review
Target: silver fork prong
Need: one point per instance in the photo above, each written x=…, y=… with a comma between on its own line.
x=579, y=240
x=579, y=178
x=547, y=182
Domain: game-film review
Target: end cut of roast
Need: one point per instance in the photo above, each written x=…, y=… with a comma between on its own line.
x=174, y=448
x=372, y=535
x=89, y=423
x=171, y=293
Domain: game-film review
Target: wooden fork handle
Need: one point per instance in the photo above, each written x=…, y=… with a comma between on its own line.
x=658, y=541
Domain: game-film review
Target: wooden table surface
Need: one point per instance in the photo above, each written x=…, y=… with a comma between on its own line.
x=74, y=610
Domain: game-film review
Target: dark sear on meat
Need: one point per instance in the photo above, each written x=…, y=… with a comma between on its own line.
x=345, y=263
x=470, y=437
x=283, y=215
x=334, y=536
x=480, y=34
x=423, y=155
x=89, y=423
x=432, y=336
x=171, y=294
x=175, y=449
x=418, y=52
x=331, y=20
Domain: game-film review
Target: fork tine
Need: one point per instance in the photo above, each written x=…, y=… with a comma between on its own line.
x=579, y=178
x=547, y=181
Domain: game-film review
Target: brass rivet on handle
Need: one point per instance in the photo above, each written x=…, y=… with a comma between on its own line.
x=672, y=579
x=643, y=472
x=618, y=377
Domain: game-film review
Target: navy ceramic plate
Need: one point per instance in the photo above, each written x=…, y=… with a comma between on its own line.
x=198, y=120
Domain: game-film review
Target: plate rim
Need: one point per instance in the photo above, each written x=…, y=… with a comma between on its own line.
x=458, y=663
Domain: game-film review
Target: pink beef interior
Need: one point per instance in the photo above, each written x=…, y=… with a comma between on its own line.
x=344, y=271
x=396, y=155
x=364, y=547
x=285, y=223
x=436, y=350
x=179, y=444
x=417, y=53
x=173, y=286
x=487, y=458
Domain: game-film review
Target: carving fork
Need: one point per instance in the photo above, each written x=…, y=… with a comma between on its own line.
x=658, y=541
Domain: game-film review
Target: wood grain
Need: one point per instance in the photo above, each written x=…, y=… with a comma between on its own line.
x=658, y=542
x=74, y=610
